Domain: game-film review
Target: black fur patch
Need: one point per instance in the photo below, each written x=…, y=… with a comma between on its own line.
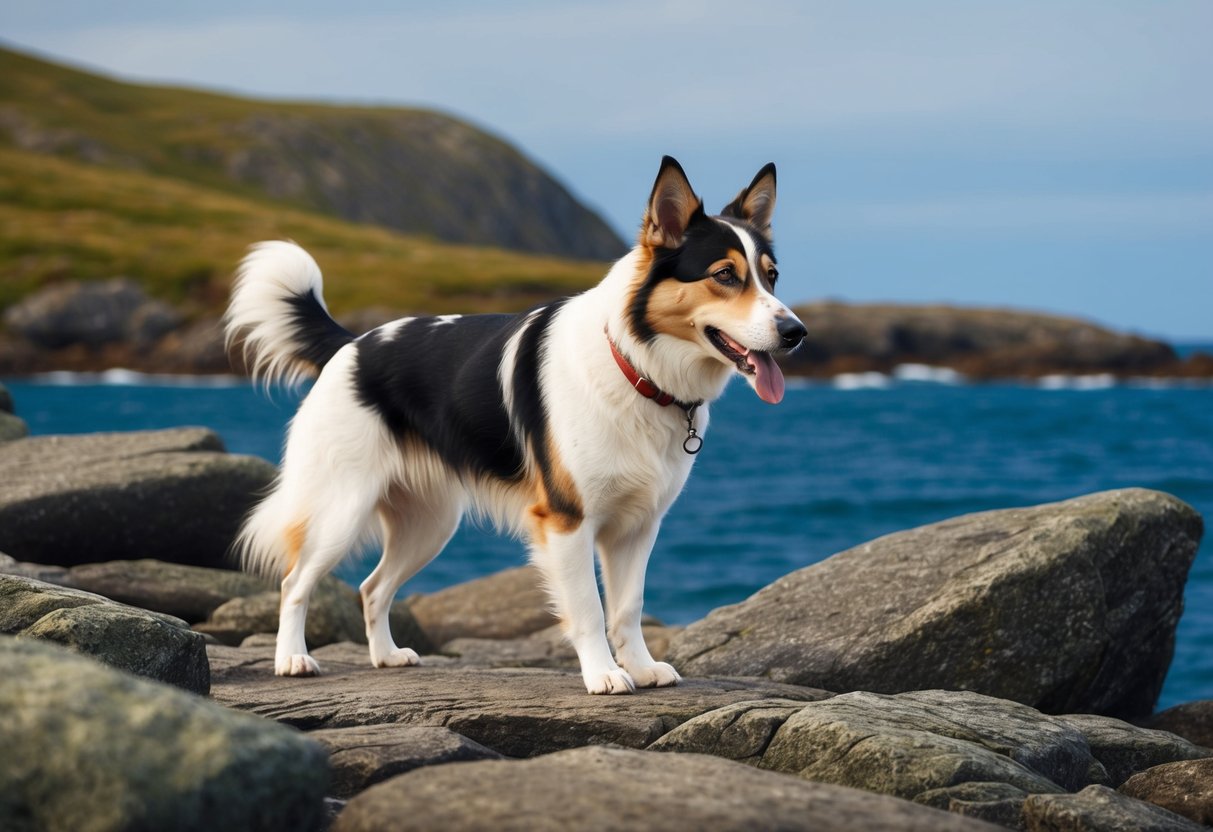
x=314, y=330
x=438, y=381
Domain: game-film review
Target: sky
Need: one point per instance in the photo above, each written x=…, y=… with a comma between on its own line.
x=1052, y=155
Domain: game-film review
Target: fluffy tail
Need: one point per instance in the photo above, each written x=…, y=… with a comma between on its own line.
x=278, y=318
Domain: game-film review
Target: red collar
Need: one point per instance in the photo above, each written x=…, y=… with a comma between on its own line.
x=639, y=383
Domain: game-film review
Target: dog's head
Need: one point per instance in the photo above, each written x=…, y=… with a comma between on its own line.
x=710, y=280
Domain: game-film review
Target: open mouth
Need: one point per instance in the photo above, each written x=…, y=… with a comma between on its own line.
x=765, y=376
x=731, y=350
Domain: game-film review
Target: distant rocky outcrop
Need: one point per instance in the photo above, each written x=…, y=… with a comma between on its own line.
x=91, y=314
x=978, y=343
x=1066, y=607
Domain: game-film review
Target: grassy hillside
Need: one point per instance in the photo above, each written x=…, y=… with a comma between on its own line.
x=413, y=170
x=66, y=219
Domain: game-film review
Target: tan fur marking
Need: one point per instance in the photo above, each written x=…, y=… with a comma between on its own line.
x=557, y=508
x=296, y=534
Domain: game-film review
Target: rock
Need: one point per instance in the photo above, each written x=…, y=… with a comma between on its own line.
x=1099, y=809
x=546, y=648
x=1067, y=607
x=6, y=400
x=89, y=747
x=1185, y=788
x=38, y=571
x=12, y=427
x=188, y=592
x=1193, y=721
x=169, y=494
x=1124, y=749
x=901, y=745
x=91, y=313
x=519, y=712
x=333, y=614
x=406, y=632
x=508, y=604
x=140, y=642
x=363, y=756
x=616, y=788
x=197, y=347
x=998, y=803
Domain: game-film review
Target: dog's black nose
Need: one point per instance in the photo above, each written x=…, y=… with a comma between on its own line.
x=791, y=332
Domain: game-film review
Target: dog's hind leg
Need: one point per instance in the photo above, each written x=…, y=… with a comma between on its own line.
x=566, y=561
x=624, y=560
x=413, y=533
x=327, y=538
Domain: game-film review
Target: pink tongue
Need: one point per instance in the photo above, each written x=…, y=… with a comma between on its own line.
x=768, y=378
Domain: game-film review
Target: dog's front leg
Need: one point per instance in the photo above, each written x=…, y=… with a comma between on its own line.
x=566, y=560
x=624, y=561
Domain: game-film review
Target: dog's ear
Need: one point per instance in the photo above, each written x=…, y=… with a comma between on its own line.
x=671, y=206
x=756, y=203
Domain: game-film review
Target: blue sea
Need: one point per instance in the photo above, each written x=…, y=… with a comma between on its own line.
x=778, y=488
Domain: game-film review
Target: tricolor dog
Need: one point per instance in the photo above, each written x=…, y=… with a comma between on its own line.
x=573, y=425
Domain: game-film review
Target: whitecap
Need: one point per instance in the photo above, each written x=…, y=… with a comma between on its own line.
x=927, y=374
x=862, y=381
x=1059, y=381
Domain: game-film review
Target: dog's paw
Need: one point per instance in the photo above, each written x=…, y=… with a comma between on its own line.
x=299, y=664
x=400, y=657
x=656, y=675
x=613, y=681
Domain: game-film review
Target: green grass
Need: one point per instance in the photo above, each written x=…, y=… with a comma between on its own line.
x=62, y=219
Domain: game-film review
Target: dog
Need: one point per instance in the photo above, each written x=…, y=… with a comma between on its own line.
x=573, y=425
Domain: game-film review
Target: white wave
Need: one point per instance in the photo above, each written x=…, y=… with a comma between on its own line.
x=927, y=374
x=1059, y=381
x=119, y=377
x=862, y=381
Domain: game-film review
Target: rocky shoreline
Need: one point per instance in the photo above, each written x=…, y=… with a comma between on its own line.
x=92, y=327
x=997, y=670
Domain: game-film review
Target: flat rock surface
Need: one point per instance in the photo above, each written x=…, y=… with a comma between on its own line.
x=1068, y=607
x=167, y=494
x=507, y=604
x=519, y=712
x=615, y=788
x=190, y=593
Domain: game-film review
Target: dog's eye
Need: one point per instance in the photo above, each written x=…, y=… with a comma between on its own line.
x=726, y=276
x=772, y=275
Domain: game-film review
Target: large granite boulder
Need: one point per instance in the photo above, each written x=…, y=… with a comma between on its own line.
x=88, y=747
x=144, y=643
x=961, y=751
x=615, y=788
x=168, y=494
x=1185, y=788
x=1067, y=607
x=518, y=712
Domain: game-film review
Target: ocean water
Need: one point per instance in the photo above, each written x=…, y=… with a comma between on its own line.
x=778, y=488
